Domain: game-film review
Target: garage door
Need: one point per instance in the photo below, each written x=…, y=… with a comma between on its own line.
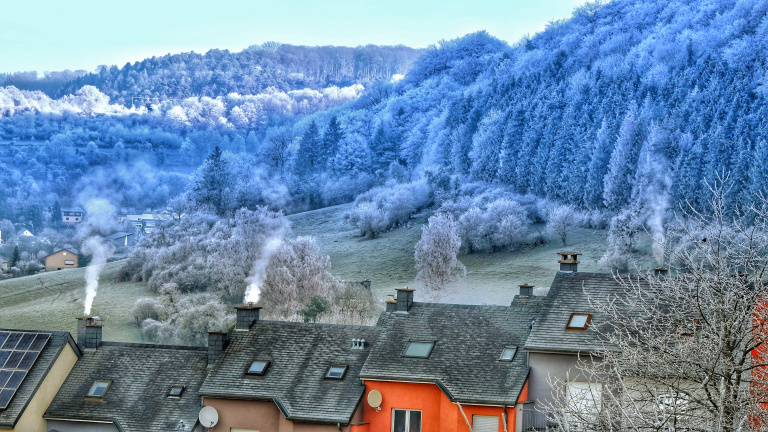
x=485, y=424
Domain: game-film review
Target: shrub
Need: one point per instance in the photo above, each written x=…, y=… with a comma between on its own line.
x=436, y=253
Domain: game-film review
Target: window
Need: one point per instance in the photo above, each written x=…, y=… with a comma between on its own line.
x=485, y=423
x=258, y=367
x=418, y=349
x=336, y=372
x=579, y=321
x=584, y=399
x=508, y=354
x=406, y=420
x=176, y=391
x=65, y=254
x=99, y=389
x=69, y=262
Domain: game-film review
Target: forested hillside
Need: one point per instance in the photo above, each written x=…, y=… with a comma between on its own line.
x=219, y=72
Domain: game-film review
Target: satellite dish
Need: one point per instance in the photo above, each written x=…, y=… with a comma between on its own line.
x=374, y=399
x=208, y=417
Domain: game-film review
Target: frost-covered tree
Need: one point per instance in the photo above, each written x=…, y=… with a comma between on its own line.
x=308, y=153
x=436, y=253
x=621, y=168
x=562, y=219
x=486, y=146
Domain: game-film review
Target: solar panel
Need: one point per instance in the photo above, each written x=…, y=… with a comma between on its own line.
x=18, y=353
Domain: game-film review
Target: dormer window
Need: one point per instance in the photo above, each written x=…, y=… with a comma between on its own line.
x=508, y=354
x=176, y=391
x=99, y=389
x=258, y=368
x=418, y=349
x=336, y=372
x=579, y=322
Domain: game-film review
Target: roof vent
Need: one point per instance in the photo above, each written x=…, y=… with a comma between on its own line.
x=358, y=344
x=569, y=261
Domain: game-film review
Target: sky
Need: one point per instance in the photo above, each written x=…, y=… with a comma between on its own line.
x=83, y=34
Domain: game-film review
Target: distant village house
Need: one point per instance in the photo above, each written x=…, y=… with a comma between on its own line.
x=61, y=259
x=72, y=215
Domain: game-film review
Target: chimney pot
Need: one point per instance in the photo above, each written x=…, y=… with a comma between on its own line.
x=569, y=261
x=217, y=341
x=526, y=290
x=404, y=300
x=247, y=315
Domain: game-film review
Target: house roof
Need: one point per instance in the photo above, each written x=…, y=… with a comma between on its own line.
x=37, y=373
x=571, y=293
x=299, y=356
x=72, y=250
x=469, y=341
x=73, y=209
x=118, y=235
x=137, y=399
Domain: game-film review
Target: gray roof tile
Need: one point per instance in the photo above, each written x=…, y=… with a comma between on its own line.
x=141, y=376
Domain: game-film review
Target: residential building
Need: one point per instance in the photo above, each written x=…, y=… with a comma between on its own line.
x=72, y=215
x=61, y=259
x=121, y=239
x=25, y=233
x=274, y=376
x=146, y=222
x=33, y=366
x=129, y=387
x=446, y=367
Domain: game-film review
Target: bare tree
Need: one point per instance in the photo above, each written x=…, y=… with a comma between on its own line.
x=685, y=351
x=561, y=220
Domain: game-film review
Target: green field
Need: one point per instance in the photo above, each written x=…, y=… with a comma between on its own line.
x=53, y=300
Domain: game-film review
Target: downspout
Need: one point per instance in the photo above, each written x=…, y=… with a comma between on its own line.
x=504, y=418
x=465, y=416
x=339, y=425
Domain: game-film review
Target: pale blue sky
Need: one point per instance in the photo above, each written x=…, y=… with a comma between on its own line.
x=74, y=34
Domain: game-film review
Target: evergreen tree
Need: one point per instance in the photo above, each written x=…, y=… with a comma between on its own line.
x=211, y=185
x=383, y=149
x=15, y=257
x=56, y=214
x=308, y=154
x=617, y=184
x=331, y=139
x=486, y=146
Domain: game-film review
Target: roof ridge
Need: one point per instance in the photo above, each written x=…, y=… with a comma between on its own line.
x=157, y=346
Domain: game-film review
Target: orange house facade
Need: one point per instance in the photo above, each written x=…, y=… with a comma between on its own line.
x=447, y=368
x=434, y=409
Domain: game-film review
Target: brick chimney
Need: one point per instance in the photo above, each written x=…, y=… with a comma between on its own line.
x=404, y=300
x=217, y=341
x=569, y=261
x=390, y=304
x=526, y=290
x=247, y=315
x=88, y=333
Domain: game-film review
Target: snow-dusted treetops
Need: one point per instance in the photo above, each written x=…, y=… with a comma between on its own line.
x=629, y=102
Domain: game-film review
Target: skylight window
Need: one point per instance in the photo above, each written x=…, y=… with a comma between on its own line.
x=98, y=389
x=579, y=321
x=418, y=349
x=176, y=391
x=508, y=354
x=336, y=372
x=258, y=367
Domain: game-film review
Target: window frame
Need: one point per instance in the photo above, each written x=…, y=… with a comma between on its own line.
x=256, y=374
x=408, y=344
x=568, y=326
x=514, y=354
x=177, y=386
x=88, y=395
x=344, y=369
x=407, y=418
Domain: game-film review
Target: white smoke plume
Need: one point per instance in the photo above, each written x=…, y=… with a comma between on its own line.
x=100, y=251
x=259, y=272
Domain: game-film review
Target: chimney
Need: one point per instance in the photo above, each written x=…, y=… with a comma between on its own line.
x=404, y=300
x=569, y=261
x=217, y=341
x=81, y=323
x=660, y=271
x=88, y=333
x=526, y=290
x=391, y=304
x=247, y=315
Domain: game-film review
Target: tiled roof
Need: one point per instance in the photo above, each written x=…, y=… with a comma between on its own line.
x=38, y=372
x=299, y=356
x=141, y=376
x=117, y=235
x=469, y=340
x=571, y=293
